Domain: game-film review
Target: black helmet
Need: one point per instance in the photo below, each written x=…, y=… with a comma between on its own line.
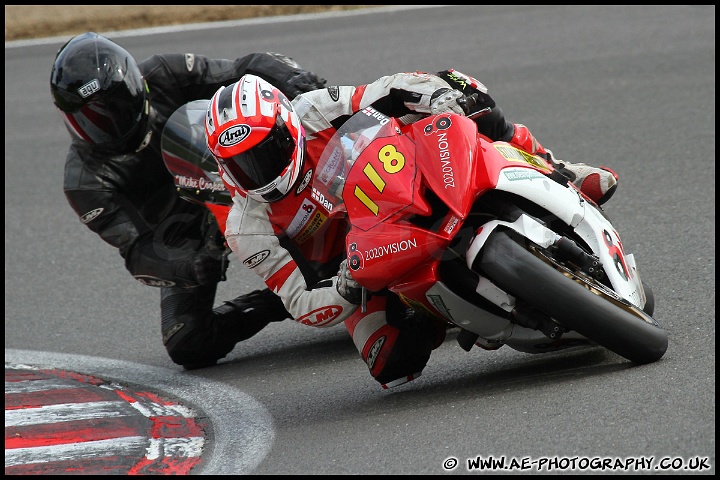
x=101, y=94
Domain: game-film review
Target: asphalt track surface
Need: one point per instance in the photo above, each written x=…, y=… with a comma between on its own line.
x=632, y=87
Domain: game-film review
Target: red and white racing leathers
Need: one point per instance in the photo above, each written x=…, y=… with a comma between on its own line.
x=290, y=242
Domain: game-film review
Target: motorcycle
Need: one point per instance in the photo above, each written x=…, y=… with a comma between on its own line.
x=191, y=164
x=194, y=169
x=483, y=236
x=478, y=234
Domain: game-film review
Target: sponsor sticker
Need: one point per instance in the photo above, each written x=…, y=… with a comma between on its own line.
x=522, y=174
x=234, y=135
x=304, y=182
x=198, y=183
x=374, y=351
x=331, y=166
x=452, y=223
x=89, y=88
x=256, y=259
x=151, y=281
x=317, y=221
x=91, y=215
x=301, y=218
x=512, y=154
x=321, y=316
x=189, y=61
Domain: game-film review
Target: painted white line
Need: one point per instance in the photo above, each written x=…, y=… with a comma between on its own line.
x=154, y=410
x=74, y=451
x=67, y=412
x=28, y=386
x=242, y=430
x=175, y=447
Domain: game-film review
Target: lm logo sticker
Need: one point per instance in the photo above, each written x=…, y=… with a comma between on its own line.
x=256, y=259
x=374, y=350
x=151, y=281
x=91, y=215
x=321, y=316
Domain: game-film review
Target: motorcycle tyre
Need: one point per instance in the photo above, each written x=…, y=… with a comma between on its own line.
x=649, y=307
x=525, y=276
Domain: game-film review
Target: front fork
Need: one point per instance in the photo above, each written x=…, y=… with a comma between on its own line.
x=562, y=249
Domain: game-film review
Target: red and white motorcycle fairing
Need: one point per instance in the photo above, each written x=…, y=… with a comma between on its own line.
x=446, y=218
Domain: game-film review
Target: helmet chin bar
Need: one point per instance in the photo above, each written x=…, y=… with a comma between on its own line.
x=280, y=187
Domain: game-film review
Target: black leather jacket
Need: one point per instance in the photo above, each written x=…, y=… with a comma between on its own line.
x=130, y=200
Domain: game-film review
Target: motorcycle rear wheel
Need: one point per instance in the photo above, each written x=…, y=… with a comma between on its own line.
x=575, y=301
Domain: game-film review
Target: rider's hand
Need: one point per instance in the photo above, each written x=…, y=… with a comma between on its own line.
x=208, y=269
x=347, y=286
x=301, y=81
x=201, y=269
x=446, y=100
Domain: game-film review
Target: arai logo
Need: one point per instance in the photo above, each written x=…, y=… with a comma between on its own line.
x=234, y=135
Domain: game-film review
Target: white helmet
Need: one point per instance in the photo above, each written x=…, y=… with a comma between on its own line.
x=256, y=138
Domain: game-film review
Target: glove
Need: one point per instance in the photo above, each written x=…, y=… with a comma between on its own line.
x=446, y=100
x=214, y=241
x=290, y=62
x=301, y=81
x=208, y=269
x=201, y=269
x=346, y=285
x=260, y=306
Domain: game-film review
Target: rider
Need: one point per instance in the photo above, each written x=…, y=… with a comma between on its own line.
x=267, y=148
x=116, y=181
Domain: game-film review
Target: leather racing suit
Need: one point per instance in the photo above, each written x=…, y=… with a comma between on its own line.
x=131, y=202
x=293, y=246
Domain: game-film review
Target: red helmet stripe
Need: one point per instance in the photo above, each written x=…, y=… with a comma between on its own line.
x=70, y=120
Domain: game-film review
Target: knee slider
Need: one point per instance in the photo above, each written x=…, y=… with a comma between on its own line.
x=193, y=343
x=397, y=353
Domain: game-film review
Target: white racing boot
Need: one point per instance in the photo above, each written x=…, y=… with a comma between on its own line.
x=598, y=183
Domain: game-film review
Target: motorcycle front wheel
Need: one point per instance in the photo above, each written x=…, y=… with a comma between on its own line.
x=575, y=301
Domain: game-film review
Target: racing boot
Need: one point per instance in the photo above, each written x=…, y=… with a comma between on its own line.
x=599, y=184
x=195, y=341
x=395, y=351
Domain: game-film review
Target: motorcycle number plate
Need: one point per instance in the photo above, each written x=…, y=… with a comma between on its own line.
x=381, y=182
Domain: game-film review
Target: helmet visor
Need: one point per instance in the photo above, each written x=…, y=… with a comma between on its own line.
x=259, y=166
x=112, y=117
